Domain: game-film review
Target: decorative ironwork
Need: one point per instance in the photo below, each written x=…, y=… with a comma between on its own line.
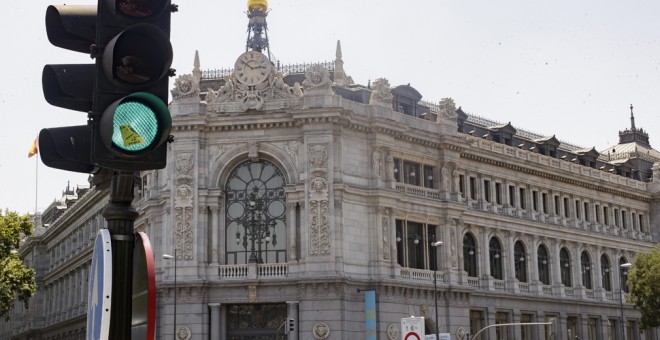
x=256, y=214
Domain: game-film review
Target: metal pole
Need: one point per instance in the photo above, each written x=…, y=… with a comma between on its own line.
x=621, y=305
x=120, y=216
x=625, y=267
x=174, y=292
x=435, y=293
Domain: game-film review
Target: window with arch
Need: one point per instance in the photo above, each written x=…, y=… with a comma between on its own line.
x=623, y=274
x=605, y=272
x=543, y=265
x=585, y=263
x=519, y=261
x=255, y=210
x=495, y=251
x=565, y=263
x=470, y=255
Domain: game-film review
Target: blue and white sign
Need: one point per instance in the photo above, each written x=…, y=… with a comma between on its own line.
x=370, y=315
x=100, y=288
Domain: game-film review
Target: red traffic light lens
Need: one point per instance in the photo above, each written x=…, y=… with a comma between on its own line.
x=140, y=8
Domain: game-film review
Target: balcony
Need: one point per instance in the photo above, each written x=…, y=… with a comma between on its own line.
x=417, y=191
x=253, y=271
x=426, y=275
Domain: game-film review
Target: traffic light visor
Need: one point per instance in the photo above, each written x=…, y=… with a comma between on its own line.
x=140, y=9
x=139, y=122
x=139, y=56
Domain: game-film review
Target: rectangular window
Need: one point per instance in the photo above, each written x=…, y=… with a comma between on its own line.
x=502, y=333
x=616, y=217
x=473, y=188
x=593, y=329
x=461, y=184
x=566, y=207
x=557, y=205
x=512, y=195
x=641, y=223
x=487, y=190
x=633, y=220
x=522, y=198
x=577, y=209
x=544, y=197
x=535, y=200
x=606, y=216
x=498, y=193
x=597, y=213
x=413, y=244
x=397, y=169
x=411, y=173
x=624, y=221
x=476, y=321
x=587, y=216
x=526, y=330
x=428, y=177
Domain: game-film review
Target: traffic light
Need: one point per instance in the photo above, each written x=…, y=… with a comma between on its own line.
x=70, y=86
x=131, y=122
x=291, y=325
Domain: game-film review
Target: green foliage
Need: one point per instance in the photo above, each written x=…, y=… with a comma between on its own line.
x=643, y=280
x=16, y=280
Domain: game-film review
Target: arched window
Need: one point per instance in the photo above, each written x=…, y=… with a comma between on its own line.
x=495, y=251
x=623, y=274
x=544, y=265
x=470, y=255
x=605, y=271
x=585, y=262
x=519, y=261
x=255, y=208
x=565, y=263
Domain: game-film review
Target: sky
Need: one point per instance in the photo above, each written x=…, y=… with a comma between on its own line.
x=565, y=68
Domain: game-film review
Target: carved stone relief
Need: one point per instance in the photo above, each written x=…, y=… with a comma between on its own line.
x=317, y=80
x=183, y=333
x=321, y=330
x=183, y=207
x=452, y=247
x=381, y=93
x=185, y=86
x=290, y=147
x=447, y=109
x=318, y=201
x=386, y=233
x=377, y=163
x=393, y=331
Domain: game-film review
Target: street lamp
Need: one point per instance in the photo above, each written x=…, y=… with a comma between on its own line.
x=170, y=257
x=624, y=266
x=435, y=244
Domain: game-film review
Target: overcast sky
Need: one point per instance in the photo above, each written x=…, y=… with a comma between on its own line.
x=564, y=68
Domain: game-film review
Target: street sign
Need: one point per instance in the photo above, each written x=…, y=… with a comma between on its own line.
x=412, y=328
x=143, y=323
x=100, y=288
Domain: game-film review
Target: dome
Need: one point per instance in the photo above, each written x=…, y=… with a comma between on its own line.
x=257, y=5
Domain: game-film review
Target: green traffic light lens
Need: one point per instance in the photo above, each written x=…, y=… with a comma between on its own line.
x=135, y=126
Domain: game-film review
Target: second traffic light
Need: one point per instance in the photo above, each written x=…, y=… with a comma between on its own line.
x=130, y=121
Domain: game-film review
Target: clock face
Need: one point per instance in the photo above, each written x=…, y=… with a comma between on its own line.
x=252, y=68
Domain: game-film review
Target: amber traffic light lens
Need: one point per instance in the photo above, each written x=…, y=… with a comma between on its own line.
x=140, y=8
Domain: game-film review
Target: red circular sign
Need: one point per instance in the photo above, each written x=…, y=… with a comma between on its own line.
x=411, y=335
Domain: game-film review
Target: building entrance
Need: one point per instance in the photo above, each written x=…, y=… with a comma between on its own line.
x=256, y=322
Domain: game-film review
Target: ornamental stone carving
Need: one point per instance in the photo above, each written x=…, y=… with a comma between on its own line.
x=183, y=333
x=393, y=331
x=452, y=247
x=656, y=172
x=318, y=156
x=183, y=207
x=321, y=330
x=317, y=80
x=381, y=93
x=386, y=233
x=318, y=201
x=290, y=147
x=185, y=86
x=377, y=163
x=447, y=109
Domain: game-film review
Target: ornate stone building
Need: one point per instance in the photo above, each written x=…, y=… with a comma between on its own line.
x=290, y=189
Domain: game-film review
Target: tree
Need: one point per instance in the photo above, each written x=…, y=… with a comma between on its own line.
x=644, y=288
x=16, y=280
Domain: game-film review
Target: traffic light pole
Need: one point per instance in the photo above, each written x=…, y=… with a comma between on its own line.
x=120, y=216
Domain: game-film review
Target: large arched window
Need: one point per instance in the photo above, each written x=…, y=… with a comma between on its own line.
x=495, y=251
x=585, y=263
x=543, y=265
x=519, y=261
x=605, y=271
x=255, y=214
x=470, y=255
x=565, y=263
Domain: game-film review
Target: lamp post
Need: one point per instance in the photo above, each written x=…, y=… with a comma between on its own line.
x=435, y=244
x=256, y=226
x=624, y=266
x=170, y=257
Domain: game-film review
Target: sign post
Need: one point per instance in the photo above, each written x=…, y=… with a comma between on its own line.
x=412, y=328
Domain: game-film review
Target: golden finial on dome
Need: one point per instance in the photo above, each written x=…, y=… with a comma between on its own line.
x=257, y=5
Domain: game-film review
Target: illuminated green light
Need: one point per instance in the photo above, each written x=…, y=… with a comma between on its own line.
x=135, y=126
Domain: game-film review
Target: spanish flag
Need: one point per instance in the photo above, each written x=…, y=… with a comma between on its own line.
x=34, y=149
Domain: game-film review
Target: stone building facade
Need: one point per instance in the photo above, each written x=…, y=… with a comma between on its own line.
x=287, y=194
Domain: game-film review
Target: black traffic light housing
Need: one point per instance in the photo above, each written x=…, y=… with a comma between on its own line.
x=124, y=93
x=131, y=121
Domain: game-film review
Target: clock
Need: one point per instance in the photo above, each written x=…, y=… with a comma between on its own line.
x=252, y=68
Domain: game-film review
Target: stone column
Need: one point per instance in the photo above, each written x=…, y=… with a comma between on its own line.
x=486, y=280
x=293, y=313
x=214, y=330
x=291, y=230
x=215, y=234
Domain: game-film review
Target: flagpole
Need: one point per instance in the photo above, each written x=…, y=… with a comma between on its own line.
x=36, y=184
